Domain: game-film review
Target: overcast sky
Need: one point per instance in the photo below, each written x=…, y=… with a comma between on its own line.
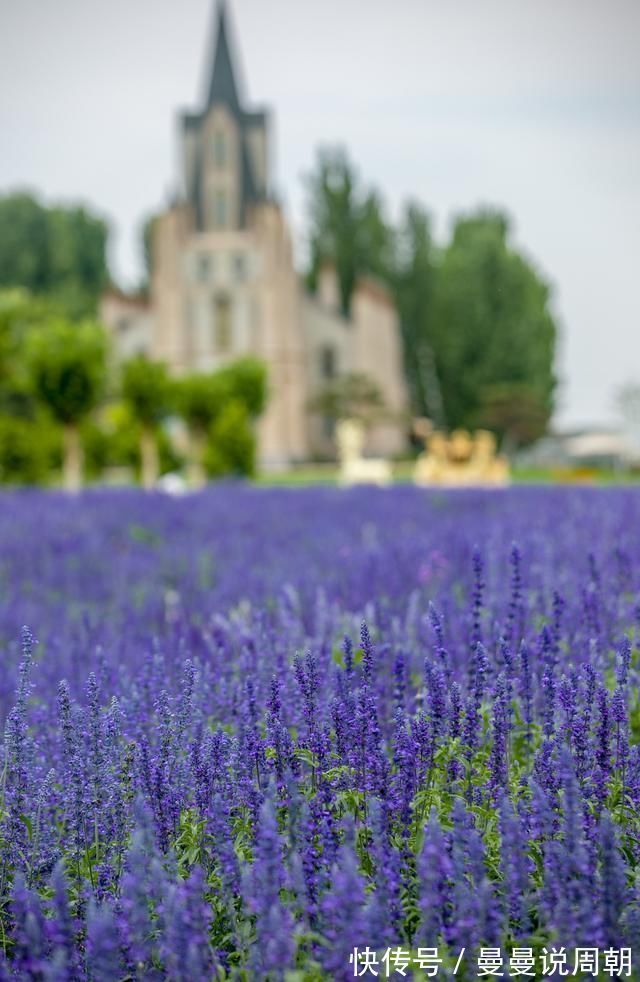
x=533, y=105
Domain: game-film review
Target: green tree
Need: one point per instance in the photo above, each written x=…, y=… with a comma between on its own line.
x=199, y=399
x=24, y=243
x=146, y=237
x=353, y=396
x=347, y=225
x=231, y=448
x=412, y=279
x=515, y=412
x=58, y=252
x=112, y=440
x=19, y=314
x=146, y=390
x=203, y=401
x=475, y=315
x=29, y=439
x=246, y=381
x=28, y=448
x=491, y=324
x=67, y=366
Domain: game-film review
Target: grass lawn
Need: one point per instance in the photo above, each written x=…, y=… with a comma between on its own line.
x=327, y=473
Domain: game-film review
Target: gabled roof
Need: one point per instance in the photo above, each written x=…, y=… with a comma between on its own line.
x=222, y=86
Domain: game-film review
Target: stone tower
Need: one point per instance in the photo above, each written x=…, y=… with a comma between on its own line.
x=223, y=282
x=223, y=285
x=224, y=148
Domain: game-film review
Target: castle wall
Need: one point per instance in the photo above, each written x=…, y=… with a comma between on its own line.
x=377, y=352
x=219, y=267
x=367, y=343
x=129, y=323
x=282, y=430
x=167, y=294
x=328, y=345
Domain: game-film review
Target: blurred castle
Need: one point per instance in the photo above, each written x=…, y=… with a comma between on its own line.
x=223, y=285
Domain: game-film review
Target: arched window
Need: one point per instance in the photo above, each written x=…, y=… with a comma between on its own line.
x=222, y=327
x=219, y=149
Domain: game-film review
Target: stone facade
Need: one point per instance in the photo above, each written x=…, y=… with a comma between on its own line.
x=224, y=285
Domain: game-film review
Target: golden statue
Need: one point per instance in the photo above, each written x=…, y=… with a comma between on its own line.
x=462, y=459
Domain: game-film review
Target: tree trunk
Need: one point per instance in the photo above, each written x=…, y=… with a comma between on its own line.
x=72, y=458
x=195, y=465
x=149, y=466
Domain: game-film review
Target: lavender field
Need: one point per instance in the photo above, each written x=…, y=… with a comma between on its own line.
x=260, y=729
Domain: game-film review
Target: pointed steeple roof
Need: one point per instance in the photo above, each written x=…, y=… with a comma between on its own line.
x=223, y=90
x=222, y=87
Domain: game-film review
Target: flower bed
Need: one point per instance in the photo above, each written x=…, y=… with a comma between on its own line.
x=262, y=728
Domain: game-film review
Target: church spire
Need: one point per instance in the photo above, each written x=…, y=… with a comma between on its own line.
x=222, y=87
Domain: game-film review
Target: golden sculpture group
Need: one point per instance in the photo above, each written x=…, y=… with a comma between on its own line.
x=461, y=459
x=457, y=460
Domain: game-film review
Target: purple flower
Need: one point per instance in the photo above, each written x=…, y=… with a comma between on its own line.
x=275, y=942
x=516, y=868
x=434, y=871
x=185, y=917
x=343, y=917
x=104, y=957
x=614, y=893
x=478, y=595
x=498, y=761
x=514, y=628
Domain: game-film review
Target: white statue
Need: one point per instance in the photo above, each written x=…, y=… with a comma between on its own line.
x=354, y=468
x=173, y=484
